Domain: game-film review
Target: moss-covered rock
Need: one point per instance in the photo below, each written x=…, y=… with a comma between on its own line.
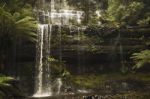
x=113, y=82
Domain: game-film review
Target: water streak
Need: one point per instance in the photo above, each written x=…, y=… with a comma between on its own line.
x=59, y=83
x=79, y=50
x=39, y=60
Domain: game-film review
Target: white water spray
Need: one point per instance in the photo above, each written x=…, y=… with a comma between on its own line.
x=59, y=83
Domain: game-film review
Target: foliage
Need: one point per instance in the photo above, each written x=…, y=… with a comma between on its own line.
x=15, y=5
x=89, y=7
x=145, y=21
x=4, y=80
x=113, y=13
x=121, y=13
x=58, y=68
x=141, y=58
x=96, y=81
x=8, y=89
x=17, y=22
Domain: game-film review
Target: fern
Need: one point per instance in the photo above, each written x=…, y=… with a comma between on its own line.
x=4, y=80
x=20, y=24
x=141, y=59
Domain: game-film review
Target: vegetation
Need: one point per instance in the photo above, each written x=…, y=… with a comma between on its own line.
x=17, y=23
x=57, y=67
x=126, y=14
x=100, y=81
x=141, y=59
x=118, y=15
x=117, y=33
x=8, y=89
x=4, y=80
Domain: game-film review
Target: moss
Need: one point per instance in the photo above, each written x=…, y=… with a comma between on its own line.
x=88, y=81
x=97, y=80
x=132, y=95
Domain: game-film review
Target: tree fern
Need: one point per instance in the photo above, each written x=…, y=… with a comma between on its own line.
x=141, y=58
x=4, y=80
x=26, y=27
x=19, y=24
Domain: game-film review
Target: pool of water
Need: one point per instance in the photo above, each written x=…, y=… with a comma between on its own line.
x=123, y=95
x=73, y=96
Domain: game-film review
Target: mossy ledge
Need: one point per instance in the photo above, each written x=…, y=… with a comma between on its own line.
x=113, y=81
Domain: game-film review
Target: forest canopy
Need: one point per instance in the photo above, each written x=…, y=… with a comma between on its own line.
x=115, y=12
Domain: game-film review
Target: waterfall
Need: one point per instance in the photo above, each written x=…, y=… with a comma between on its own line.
x=113, y=50
x=52, y=5
x=60, y=46
x=79, y=17
x=117, y=48
x=65, y=4
x=49, y=82
x=42, y=84
x=123, y=68
x=59, y=84
x=70, y=29
x=40, y=53
x=46, y=53
x=79, y=50
x=49, y=16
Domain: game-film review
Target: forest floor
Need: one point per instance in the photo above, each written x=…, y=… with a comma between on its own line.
x=116, y=85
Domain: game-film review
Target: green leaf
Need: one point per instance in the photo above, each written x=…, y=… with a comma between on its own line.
x=141, y=58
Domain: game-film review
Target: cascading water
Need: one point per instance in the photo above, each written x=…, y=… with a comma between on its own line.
x=59, y=83
x=42, y=84
x=79, y=51
x=40, y=42
x=50, y=15
x=60, y=46
x=113, y=51
x=117, y=47
x=123, y=68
